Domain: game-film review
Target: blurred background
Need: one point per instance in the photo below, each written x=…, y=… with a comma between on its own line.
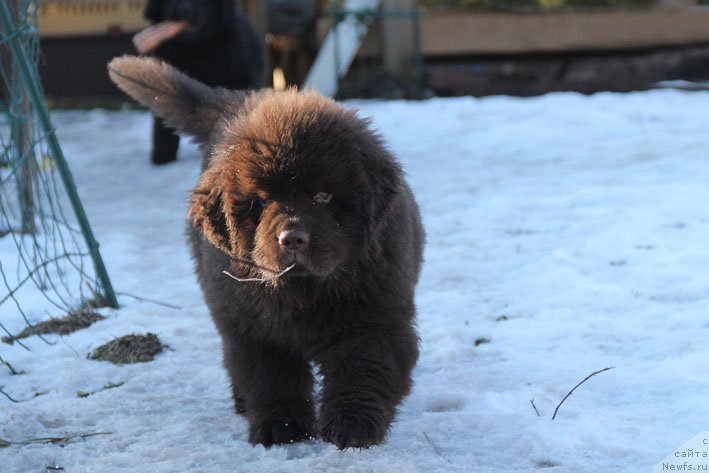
x=414, y=48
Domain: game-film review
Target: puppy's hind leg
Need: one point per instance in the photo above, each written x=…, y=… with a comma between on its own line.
x=165, y=143
x=273, y=388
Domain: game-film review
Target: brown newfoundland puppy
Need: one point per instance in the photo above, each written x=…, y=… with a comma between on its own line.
x=302, y=204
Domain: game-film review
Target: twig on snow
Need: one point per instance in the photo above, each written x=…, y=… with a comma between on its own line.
x=37, y=394
x=61, y=441
x=151, y=301
x=435, y=447
x=106, y=387
x=8, y=396
x=535, y=407
x=7, y=364
x=574, y=388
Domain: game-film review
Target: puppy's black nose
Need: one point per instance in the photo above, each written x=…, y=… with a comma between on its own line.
x=294, y=239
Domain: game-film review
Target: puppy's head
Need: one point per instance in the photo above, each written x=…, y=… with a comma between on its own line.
x=205, y=18
x=293, y=178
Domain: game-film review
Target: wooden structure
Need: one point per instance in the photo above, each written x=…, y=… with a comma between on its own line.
x=80, y=36
x=456, y=34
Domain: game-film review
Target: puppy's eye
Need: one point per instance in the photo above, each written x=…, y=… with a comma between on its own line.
x=258, y=205
x=322, y=198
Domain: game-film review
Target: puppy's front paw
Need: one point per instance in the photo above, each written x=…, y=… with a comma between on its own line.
x=278, y=431
x=355, y=430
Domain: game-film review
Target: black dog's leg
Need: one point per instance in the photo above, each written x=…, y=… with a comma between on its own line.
x=273, y=388
x=165, y=143
x=365, y=378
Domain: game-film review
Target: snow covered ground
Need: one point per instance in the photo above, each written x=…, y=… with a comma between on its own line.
x=570, y=231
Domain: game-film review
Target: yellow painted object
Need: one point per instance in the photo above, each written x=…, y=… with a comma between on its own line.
x=90, y=17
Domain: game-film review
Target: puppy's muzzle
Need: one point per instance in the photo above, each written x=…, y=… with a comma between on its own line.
x=294, y=240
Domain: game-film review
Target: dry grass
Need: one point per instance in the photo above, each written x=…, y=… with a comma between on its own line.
x=129, y=349
x=70, y=323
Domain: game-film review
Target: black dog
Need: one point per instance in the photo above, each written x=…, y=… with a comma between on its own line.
x=218, y=47
x=301, y=201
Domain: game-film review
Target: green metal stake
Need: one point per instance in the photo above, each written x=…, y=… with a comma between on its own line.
x=20, y=58
x=418, y=53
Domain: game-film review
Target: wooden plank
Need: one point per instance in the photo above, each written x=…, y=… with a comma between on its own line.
x=58, y=18
x=505, y=33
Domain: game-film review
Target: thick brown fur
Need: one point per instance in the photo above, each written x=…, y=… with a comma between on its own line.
x=292, y=178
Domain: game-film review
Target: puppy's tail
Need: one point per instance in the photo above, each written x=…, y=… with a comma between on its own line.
x=184, y=103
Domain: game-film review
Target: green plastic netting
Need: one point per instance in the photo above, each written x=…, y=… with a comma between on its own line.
x=49, y=260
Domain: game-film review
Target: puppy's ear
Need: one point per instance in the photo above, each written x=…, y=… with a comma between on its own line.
x=154, y=11
x=213, y=213
x=384, y=177
x=184, y=103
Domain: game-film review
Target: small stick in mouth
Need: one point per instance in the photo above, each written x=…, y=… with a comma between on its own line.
x=272, y=278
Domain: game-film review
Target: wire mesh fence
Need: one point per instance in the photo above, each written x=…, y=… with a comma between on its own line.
x=49, y=260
